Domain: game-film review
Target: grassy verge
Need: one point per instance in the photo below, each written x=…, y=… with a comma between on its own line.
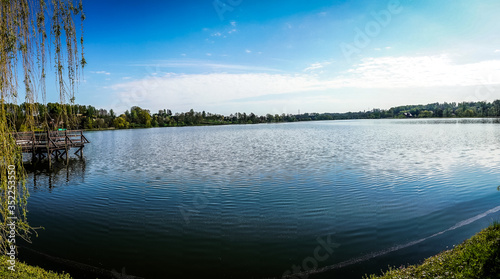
x=477, y=257
x=24, y=271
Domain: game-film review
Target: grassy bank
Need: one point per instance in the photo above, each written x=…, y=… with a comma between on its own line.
x=24, y=271
x=477, y=257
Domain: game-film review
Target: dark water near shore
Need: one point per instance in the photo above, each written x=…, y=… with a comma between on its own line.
x=251, y=201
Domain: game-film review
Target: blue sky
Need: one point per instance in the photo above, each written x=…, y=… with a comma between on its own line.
x=229, y=56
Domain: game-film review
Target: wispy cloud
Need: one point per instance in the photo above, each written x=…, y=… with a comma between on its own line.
x=222, y=32
x=203, y=66
x=207, y=89
x=317, y=65
x=419, y=71
x=383, y=73
x=100, y=72
x=379, y=49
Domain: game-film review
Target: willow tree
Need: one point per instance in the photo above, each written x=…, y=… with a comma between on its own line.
x=34, y=36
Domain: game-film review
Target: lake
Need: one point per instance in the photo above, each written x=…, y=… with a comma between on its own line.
x=327, y=199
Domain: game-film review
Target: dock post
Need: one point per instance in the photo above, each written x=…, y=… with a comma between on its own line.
x=66, y=145
x=81, y=140
x=33, y=154
x=48, y=149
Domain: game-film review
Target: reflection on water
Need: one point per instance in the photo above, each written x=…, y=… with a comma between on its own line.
x=251, y=201
x=60, y=173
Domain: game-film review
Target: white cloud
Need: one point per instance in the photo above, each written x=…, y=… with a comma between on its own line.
x=206, y=89
x=248, y=51
x=100, y=72
x=400, y=75
x=203, y=66
x=420, y=71
x=317, y=65
x=497, y=50
x=224, y=33
x=233, y=23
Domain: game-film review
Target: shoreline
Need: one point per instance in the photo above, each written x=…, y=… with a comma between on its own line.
x=318, y=120
x=477, y=257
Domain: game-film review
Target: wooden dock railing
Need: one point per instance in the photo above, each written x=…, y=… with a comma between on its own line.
x=51, y=143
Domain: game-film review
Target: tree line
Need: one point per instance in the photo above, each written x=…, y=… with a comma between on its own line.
x=56, y=116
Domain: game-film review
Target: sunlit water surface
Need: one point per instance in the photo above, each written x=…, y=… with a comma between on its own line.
x=259, y=201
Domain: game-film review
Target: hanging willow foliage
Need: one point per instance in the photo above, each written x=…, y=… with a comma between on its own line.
x=29, y=30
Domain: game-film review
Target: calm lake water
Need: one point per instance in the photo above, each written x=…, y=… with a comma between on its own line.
x=328, y=199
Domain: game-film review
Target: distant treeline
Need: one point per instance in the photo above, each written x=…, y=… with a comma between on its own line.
x=54, y=115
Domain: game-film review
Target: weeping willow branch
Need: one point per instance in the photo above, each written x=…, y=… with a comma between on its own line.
x=28, y=30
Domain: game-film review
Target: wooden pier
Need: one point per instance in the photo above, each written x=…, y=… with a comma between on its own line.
x=51, y=143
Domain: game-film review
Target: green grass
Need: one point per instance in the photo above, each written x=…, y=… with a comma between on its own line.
x=477, y=257
x=24, y=271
